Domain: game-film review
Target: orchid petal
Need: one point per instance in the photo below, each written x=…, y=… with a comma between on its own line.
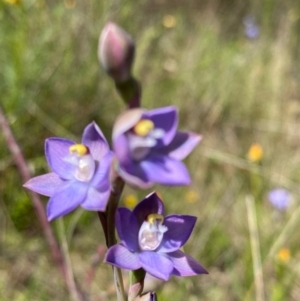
x=46, y=184
x=100, y=179
x=185, y=265
x=165, y=171
x=166, y=119
x=151, y=204
x=156, y=264
x=121, y=257
x=179, y=230
x=126, y=121
x=96, y=200
x=66, y=200
x=94, y=139
x=182, y=145
x=135, y=176
x=57, y=149
x=128, y=229
x=121, y=149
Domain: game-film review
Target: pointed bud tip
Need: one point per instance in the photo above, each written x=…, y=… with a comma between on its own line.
x=116, y=52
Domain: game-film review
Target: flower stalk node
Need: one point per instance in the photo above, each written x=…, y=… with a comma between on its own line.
x=130, y=92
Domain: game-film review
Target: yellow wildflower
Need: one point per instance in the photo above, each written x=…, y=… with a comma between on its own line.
x=255, y=152
x=284, y=255
x=69, y=4
x=191, y=196
x=169, y=21
x=130, y=201
x=13, y=2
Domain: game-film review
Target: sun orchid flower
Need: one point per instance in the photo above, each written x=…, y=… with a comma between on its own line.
x=149, y=149
x=80, y=173
x=151, y=241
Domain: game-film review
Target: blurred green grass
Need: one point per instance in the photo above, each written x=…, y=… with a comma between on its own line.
x=232, y=90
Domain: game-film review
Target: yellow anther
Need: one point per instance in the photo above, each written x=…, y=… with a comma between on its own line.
x=143, y=127
x=155, y=218
x=80, y=149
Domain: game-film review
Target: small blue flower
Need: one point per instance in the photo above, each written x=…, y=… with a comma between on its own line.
x=80, y=173
x=251, y=29
x=280, y=198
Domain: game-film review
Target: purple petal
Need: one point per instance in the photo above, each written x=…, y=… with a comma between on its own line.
x=128, y=229
x=182, y=145
x=121, y=257
x=156, y=264
x=134, y=176
x=100, y=179
x=151, y=204
x=46, y=184
x=96, y=200
x=185, y=265
x=126, y=121
x=57, y=149
x=164, y=118
x=179, y=230
x=164, y=170
x=121, y=149
x=94, y=139
x=66, y=200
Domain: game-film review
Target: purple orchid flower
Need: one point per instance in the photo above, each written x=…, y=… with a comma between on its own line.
x=153, y=241
x=80, y=173
x=149, y=149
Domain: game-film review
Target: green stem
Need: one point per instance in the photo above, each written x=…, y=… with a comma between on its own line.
x=130, y=92
x=117, y=188
x=136, y=284
x=107, y=220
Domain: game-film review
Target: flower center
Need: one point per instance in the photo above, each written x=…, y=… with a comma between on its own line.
x=143, y=137
x=143, y=127
x=151, y=232
x=84, y=163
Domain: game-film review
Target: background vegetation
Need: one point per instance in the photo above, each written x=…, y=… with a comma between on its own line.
x=232, y=89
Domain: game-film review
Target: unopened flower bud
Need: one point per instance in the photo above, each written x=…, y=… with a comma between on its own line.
x=116, y=52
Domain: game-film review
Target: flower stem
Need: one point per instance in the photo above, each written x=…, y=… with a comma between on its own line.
x=107, y=220
x=36, y=201
x=130, y=92
x=136, y=284
x=255, y=248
